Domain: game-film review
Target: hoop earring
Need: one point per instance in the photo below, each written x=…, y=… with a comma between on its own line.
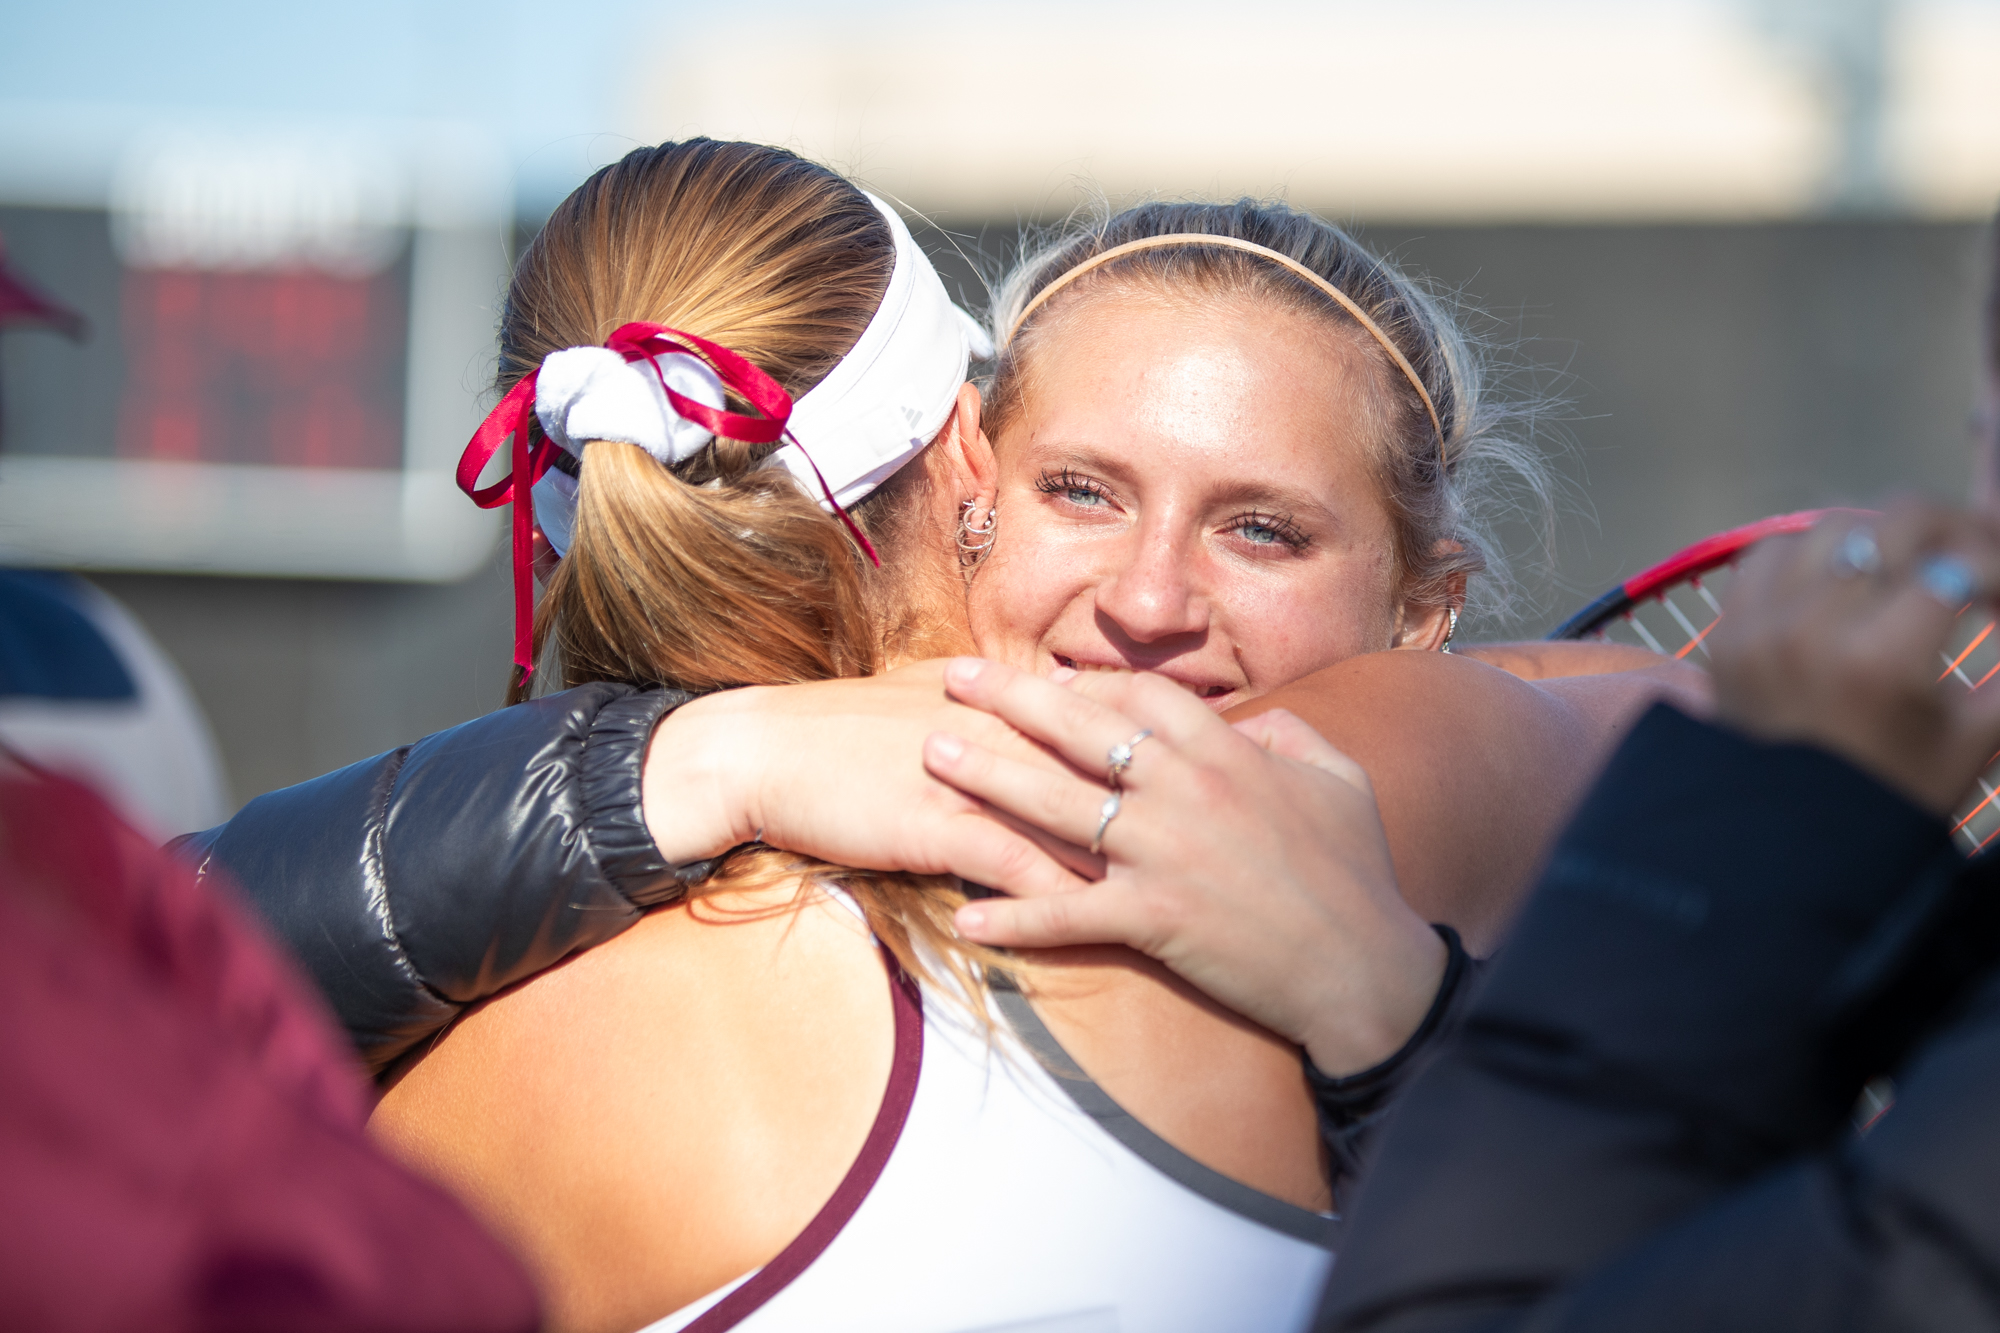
x=1450, y=628
x=975, y=539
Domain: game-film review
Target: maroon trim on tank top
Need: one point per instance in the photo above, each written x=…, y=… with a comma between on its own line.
x=795, y=1258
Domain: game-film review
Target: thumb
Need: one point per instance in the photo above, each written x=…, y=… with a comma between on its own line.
x=1088, y=916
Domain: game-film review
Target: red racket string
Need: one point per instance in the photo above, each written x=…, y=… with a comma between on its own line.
x=1953, y=664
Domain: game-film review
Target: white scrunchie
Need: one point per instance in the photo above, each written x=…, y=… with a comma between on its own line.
x=593, y=393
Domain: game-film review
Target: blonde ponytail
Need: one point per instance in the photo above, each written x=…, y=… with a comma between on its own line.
x=721, y=572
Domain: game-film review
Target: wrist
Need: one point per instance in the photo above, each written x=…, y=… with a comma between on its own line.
x=697, y=791
x=1359, y=1030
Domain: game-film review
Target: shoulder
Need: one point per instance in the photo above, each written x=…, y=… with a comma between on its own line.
x=1406, y=702
x=1474, y=771
x=694, y=1088
x=694, y=987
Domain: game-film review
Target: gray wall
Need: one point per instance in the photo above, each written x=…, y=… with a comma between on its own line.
x=1719, y=374
x=1715, y=374
x=299, y=677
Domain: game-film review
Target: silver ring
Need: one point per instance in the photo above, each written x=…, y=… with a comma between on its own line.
x=1858, y=555
x=1105, y=814
x=1119, y=757
x=1949, y=579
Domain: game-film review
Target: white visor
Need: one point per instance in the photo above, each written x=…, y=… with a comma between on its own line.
x=875, y=410
x=892, y=392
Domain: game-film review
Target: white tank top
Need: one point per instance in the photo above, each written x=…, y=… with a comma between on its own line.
x=997, y=1196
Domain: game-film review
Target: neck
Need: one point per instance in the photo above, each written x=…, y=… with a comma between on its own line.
x=923, y=615
x=918, y=595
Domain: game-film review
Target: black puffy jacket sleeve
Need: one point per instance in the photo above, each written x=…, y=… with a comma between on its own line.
x=1644, y=1120
x=432, y=876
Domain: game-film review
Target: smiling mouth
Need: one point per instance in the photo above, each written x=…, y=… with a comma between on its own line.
x=1202, y=692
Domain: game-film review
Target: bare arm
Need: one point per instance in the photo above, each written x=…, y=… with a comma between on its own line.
x=1474, y=769
x=834, y=769
x=1550, y=659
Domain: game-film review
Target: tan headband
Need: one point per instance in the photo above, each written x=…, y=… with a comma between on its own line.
x=1345, y=301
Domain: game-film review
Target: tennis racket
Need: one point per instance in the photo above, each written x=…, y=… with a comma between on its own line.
x=1674, y=606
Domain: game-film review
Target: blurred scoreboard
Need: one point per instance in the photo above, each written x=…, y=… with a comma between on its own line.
x=289, y=342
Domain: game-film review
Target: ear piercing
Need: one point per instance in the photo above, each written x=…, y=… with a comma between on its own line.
x=975, y=539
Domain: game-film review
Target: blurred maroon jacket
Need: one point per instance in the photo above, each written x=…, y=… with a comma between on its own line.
x=181, y=1128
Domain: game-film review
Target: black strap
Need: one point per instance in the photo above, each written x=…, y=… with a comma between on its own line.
x=1351, y=1106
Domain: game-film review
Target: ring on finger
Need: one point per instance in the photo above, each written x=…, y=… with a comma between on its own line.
x=1948, y=579
x=1105, y=814
x=1858, y=555
x=1119, y=757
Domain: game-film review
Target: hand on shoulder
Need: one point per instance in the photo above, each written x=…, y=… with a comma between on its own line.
x=1249, y=858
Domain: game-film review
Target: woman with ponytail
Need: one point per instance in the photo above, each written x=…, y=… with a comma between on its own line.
x=712, y=335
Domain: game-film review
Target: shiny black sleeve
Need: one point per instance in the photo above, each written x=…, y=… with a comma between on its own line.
x=432, y=876
x=1643, y=1120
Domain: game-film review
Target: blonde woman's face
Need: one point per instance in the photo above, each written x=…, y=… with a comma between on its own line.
x=1190, y=488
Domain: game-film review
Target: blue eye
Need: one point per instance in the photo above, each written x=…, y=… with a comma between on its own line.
x=1270, y=530
x=1067, y=485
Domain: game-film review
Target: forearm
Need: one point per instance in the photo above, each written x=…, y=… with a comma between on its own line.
x=1475, y=771
x=1652, y=1036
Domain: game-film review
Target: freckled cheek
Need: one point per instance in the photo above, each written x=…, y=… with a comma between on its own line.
x=1023, y=590
x=1283, y=632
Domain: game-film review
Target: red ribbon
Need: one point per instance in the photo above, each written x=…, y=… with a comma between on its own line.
x=514, y=418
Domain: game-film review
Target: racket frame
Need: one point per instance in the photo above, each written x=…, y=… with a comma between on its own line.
x=1685, y=566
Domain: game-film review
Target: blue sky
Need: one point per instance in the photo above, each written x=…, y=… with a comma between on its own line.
x=549, y=79
x=556, y=85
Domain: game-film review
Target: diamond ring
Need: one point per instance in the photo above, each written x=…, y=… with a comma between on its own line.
x=1119, y=757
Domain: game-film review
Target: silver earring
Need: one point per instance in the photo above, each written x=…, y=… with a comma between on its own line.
x=975, y=539
x=1450, y=628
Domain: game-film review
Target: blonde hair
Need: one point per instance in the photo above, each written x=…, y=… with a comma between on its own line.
x=1445, y=497
x=719, y=572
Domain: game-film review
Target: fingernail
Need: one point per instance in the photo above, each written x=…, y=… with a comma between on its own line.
x=963, y=672
x=970, y=920
x=947, y=747
x=1064, y=675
